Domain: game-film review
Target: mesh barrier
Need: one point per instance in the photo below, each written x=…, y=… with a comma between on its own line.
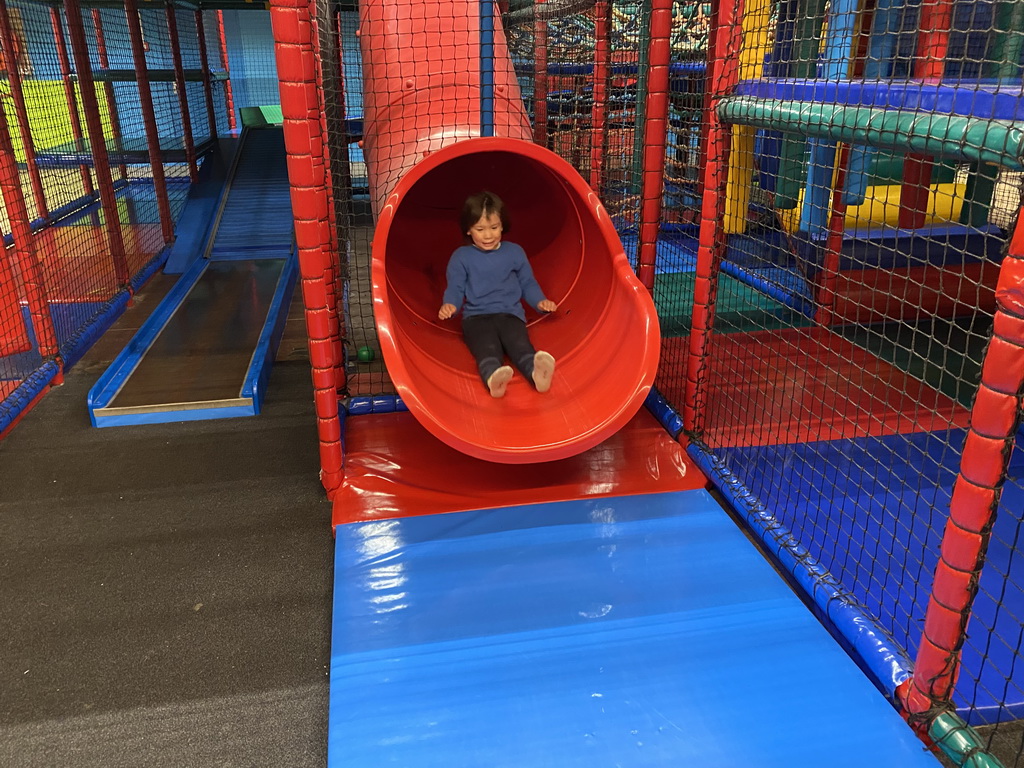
x=854, y=225
x=98, y=211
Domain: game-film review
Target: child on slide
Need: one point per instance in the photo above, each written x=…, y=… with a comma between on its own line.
x=488, y=278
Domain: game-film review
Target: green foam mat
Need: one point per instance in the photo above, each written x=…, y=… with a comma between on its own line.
x=944, y=353
x=265, y=115
x=740, y=307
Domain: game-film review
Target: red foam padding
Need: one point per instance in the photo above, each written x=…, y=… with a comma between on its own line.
x=807, y=384
x=913, y=293
x=76, y=260
x=395, y=468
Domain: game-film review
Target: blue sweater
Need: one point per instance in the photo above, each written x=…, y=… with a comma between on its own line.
x=491, y=282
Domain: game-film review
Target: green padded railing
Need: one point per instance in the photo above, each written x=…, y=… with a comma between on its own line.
x=925, y=133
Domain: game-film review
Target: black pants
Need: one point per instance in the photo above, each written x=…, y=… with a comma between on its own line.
x=491, y=337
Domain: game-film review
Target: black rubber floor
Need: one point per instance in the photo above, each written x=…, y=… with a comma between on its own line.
x=164, y=590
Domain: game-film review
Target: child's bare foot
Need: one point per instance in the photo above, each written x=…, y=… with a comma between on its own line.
x=543, y=371
x=498, y=382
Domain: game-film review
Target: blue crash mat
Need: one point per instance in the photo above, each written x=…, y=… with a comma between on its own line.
x=633, y=631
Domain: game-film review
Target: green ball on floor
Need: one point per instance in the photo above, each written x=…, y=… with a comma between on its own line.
x=365, y=355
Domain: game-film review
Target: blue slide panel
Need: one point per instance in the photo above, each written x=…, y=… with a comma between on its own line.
x=270, y=337
x=634, y=631
x=107, y=386
x=195, y=225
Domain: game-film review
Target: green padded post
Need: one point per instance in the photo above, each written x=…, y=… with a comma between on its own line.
x=792, y=176
x=1007, y=41
x=981, y=183
x=960, y=743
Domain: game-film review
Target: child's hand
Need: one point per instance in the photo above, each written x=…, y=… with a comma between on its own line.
x=547, y=306
x=446, y=311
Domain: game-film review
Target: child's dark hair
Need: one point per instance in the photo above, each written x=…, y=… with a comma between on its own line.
x=479, y=205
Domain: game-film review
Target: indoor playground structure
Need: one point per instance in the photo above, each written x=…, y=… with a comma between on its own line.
x=778, y=461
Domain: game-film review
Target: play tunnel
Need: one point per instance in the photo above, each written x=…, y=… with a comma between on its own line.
x=424, y=156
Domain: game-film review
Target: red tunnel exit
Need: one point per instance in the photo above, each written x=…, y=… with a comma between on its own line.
x=604, y=336
x=424, y=156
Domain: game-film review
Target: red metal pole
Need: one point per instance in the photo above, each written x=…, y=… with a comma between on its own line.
x=598, y=112
x=915, y=191
x=101, y=160
x=21, y=111
x=108, y=88
x=149, y=119
x=291, y=21
x=69, y=94
x=834, y=244
x=655, y=136
x=228, y=98
x=24, y=245
x=181, y=88
x=989, y=445
x=204, y=63
x=540, y=77
x=929, y=65
x=728, y=41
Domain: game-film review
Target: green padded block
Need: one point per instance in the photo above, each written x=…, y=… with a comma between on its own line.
x=739, y=307
x=266, y=115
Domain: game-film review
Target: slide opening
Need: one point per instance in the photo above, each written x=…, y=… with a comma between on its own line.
x=548, y=219
x=604, y=334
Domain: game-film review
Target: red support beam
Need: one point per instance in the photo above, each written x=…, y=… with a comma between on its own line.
x=69, y=93
x=995, y=417
x=834, y=243
x=204, y=63
x=292, y=23
x=24, y=245
x=149, y=119
x=94, y=127
x=934, y=23
x=180, y=87
x=21, y=110
x=108, y=88
x=223, y=43
x=652, y=188
x=598, y=112
x=929, y=64
x=724, y=74
x=540, y=77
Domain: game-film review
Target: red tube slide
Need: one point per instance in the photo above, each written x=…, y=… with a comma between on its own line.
x=424, y=156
